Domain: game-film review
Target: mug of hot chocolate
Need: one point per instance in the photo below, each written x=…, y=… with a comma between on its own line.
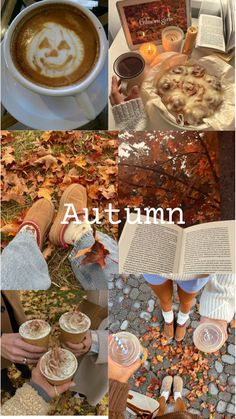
x=130, y=68
x=74, y=326
x=58, y=366
x=36, y=332
x=56, y=48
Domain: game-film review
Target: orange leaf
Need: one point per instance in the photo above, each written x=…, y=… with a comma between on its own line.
x=10, y=229
x=45, y=193
x=96, y=254
x=48, y=251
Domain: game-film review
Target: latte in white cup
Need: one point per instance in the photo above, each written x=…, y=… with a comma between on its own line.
x=74, y=326
x=48, y=54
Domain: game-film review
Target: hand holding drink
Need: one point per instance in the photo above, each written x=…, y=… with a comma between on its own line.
x=74, y=326
x=58, y=366
x=35, y=332
x=126, y=355
x=52, y=391
x=210, y=335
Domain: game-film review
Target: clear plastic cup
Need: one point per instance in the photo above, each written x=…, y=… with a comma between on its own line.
x=209, y=336
x=132, y=349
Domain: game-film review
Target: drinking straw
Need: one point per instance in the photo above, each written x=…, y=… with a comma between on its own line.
x=119, y=343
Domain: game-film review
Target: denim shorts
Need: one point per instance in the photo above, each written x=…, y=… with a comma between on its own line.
x=194, y=285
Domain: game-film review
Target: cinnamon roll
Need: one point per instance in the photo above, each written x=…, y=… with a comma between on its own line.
x=179, y=69
x=213, y=99
x=176, y=102
x=198, y=71
x=165, y=84
x=195, y=113
x=214, y=82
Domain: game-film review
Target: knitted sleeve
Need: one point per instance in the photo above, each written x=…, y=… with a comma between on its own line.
x=26, y=402
x=118, y=394
x=130, y=115
x=217, y=300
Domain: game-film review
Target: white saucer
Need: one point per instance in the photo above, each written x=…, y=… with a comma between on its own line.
x=50, y=113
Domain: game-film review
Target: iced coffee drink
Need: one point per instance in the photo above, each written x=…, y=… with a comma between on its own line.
x=209, y=336
x=125, y=349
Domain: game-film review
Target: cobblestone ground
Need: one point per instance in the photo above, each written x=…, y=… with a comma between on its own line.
x=211, y=393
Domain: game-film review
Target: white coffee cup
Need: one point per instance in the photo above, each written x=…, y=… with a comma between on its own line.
x=136, y=79
x=77, y=90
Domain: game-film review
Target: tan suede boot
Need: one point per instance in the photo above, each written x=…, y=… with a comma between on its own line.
x=40, y=216
x=168, y=330
x=181, y=331
x=178, y=388
x=75, y=194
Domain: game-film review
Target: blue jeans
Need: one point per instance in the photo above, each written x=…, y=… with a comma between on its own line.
x=24, y=267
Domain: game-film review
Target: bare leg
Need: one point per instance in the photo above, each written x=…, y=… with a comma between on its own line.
x=180, y=406
x=162, y=406
x=165, y=294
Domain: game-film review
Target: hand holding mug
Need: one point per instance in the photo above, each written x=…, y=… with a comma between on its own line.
x=131, y=70
x=117, y=97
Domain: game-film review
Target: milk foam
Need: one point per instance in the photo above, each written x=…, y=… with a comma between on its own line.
x=55, y=51
x=34, y=329
x=74, y=322
x=58, y=364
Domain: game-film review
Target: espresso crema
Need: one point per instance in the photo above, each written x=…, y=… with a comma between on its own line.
x=55, y=45
x=74, y=322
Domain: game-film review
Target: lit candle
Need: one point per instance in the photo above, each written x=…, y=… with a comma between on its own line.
x=172, y=38
x=190, y=40
x=148, y=51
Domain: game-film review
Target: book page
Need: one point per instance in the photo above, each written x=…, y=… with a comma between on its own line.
x=149, y=248
x=208, y=248
x=211, y=32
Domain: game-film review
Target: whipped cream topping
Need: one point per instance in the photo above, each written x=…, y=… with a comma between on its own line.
x=74, y=322
x=55, y=51
x=58, y=364
x=34, y=329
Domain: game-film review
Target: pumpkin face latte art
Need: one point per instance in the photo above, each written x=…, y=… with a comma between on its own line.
x=55, y=45
x=190, y=94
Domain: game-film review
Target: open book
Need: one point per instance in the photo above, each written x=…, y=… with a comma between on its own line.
x=169, y=248
x=216, y=26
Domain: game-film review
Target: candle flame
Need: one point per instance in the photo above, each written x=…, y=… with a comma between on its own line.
x=143, y=34
x=168, y=11
x=149, y=49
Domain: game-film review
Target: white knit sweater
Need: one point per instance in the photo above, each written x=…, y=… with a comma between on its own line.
x=218, y=298
x=130, y=115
